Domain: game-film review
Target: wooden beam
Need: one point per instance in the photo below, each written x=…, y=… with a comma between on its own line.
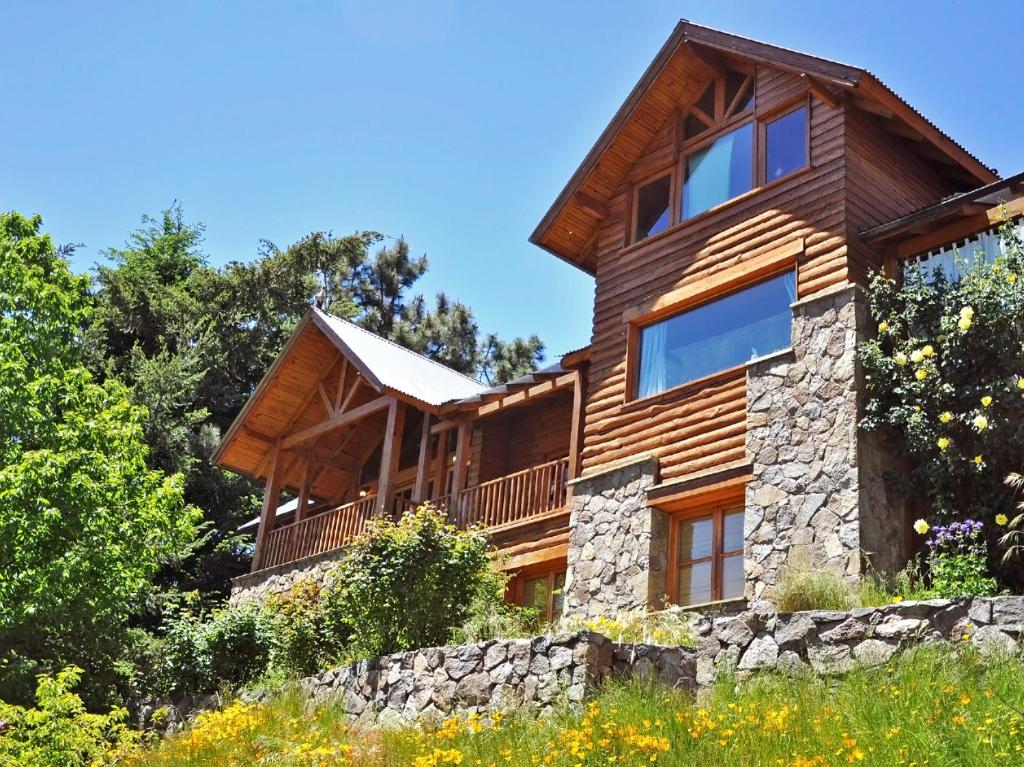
x=271, y=499
x=957, y=230
x=576, y=433
x=335, y=422
x=445, y=425
x=461, y=456
x=341, y=383
x=351, y=393
x=440, y=467
x=328, y=405
x=536, y=390
x=821, y=92
x=390, y=452
x=419, y=493
x=300, y=510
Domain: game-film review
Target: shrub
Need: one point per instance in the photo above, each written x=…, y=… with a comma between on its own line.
x=490, y=616
x=309, y=631
x=944, y=378
x=409, y=583
x=58, y=732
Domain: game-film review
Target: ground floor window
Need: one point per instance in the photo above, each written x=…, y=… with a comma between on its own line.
x=707, y=557
x=541, y=589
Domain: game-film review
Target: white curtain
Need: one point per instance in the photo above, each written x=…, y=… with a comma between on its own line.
x=653, y=367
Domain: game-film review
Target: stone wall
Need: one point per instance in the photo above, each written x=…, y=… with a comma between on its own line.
x=427, y=685
x=802, y=503
x=430, y=684
x=275, y=581
x=617, y=543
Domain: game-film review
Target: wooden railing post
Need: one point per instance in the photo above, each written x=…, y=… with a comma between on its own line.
x=271, y=499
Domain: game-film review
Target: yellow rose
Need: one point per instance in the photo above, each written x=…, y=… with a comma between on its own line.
x=1020, y=382
x=883, y=327
x=1011, y=278
x=980, y=422
x=943, y=443
x=986, y=401
x=921, y=374
x=946, y=417
x=916, y=356
x=921, y=527
x=901, y=360
x=928, y=351
x=964, y=323
x=978, y=460
x=1001, y=520
x=967, y=312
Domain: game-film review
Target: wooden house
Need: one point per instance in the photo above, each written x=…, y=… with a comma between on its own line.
x=730, y=215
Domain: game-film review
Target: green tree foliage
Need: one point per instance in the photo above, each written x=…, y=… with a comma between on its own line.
x=409, y=583
x=945, y=378
x=85, y=523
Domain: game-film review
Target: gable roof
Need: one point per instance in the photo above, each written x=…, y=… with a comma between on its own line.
x=390, y=367
x=680, y=67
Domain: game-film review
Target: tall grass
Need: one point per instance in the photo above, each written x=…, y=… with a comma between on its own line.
x=934, y=706
x=804, y=589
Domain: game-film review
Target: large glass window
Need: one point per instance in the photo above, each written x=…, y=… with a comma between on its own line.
x=653, y=207
x=718, y=172
x=709, y=558
x=786, y=144
x=716, y=336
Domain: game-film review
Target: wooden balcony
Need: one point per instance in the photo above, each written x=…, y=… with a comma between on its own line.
x=515, y=499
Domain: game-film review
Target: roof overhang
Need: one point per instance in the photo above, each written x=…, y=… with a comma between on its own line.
x=568, y=228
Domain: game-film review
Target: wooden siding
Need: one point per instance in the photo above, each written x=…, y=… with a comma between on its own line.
x=522, y=437
x=697, y=427
x=884, y=180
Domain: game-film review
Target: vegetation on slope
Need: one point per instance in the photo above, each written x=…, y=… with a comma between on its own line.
x=932, y=706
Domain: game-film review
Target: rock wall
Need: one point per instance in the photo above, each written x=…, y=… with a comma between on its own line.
x=279, y=580
x=618, y=545
x=427, y=685
x=803, y=499
x=430, y=684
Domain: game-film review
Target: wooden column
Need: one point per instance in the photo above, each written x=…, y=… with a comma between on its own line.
x=440, y=468
x=576, y=435
x=422, y=488
x=390, y=451
x=271, y=499
x=459, y=470
x=300, y=510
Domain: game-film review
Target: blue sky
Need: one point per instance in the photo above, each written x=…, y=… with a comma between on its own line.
x=455, y=124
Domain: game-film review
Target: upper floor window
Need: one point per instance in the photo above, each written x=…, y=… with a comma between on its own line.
x=726, y=150
x=716, y=336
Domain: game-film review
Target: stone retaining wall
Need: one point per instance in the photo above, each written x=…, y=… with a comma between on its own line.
x=275, y=581
x=427, y=685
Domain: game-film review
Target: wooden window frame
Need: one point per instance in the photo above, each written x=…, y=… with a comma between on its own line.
x=665, y=170
x=534, y=573
x=718, y=555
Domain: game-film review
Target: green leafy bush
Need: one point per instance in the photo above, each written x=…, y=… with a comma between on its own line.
x=409, y=583
x=490, y=616
x=58, y=732
x=945, y=378
x=309, y=632
x=957, y=557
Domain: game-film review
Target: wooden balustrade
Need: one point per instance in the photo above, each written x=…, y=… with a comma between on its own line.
x=319, y=533
x=514, y=497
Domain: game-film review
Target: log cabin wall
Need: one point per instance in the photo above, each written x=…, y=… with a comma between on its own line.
x=522, y=437
x=694, y=428
x=884, y=180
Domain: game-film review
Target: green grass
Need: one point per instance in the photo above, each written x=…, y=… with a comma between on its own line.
x=936, y=706
x=802, y=589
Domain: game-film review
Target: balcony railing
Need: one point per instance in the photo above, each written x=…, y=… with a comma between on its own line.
x=318, y=533
x=513, y=498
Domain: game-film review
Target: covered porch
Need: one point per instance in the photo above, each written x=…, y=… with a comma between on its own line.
x=347, y=427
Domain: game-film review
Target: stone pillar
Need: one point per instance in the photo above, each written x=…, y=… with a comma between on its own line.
x=803, y=501
x=617, y=543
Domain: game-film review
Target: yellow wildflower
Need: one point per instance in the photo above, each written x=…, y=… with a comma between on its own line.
x=964, y=323
x=978, y=459
x=883, y=327
x=921, y=374
x=1011, y=278
x=946, y=417
x=980, y=422
x=921, y=527
x=1001, y=520
x=916, y=356
x=928, y=350
x=986, y=401
x=1020, y=382
x=943, y=443
x=967, y=312
x=901, y=360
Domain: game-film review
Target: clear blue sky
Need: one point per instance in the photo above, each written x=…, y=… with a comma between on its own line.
x=455, y=124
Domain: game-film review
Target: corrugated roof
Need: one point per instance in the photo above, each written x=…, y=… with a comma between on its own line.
x=397, y=368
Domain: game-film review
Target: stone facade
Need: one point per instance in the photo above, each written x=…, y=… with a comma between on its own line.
x=817, y=497
x=617, y=543
x=427, y=685
x=279, y=580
